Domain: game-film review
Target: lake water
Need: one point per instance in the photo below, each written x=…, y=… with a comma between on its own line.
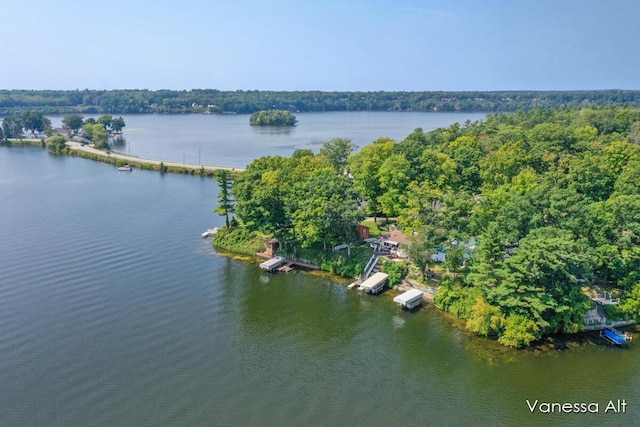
x=114, y=311
x=229, y=140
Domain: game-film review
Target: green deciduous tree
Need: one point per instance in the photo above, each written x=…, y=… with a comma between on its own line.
x=396, y=272
x=394, y=176
x=519, y=331
x=631, y=303
x=117, y=124
x=628, y=181
x=12, y=126
x=35, y=122
x=500, y=166
x=73, y=122
x=466, y=152
x=337, y=151
x=365, y=168
x=56, y=144
x=438, y=169
x=422, y=245
x=328, y=211
x=614, y=230
x=97, y=134
x=454, y=257
x=485, y=319
x=105, y=120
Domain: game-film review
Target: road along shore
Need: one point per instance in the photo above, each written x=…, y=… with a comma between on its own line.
x=80, y=150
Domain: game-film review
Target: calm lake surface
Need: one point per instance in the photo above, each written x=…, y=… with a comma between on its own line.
x=114, y=311
x=229, y=140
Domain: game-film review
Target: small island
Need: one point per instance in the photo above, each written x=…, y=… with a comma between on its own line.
x=272, y=118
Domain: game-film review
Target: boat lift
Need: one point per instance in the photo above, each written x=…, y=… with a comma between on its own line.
x=615, y=337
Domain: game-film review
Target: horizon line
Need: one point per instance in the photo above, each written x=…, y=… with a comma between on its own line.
x=320, y=90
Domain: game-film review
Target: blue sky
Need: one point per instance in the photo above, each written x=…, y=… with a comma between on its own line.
x=326, y=45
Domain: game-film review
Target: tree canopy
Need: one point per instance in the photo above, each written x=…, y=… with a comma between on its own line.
x=272, y=118
x=73, y=122
x=27, y=122
x=550, y=196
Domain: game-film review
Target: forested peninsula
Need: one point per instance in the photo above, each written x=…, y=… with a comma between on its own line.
x=535, y=211
x=248, y=102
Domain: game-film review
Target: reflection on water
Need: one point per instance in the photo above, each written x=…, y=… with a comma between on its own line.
x=273, y=130
x=398, y=321
x=118, y=141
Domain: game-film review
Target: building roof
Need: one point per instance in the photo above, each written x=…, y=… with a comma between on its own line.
x=374, y=280
x=408, y=296
x=396, y=236
x=272, y=263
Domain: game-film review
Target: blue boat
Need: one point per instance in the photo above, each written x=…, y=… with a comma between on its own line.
x=615, y=337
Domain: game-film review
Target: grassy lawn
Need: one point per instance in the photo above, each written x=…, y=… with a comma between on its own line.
x=239, y=240
x=377, y=229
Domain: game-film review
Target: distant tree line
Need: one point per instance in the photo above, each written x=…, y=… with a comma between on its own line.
x=248, y=102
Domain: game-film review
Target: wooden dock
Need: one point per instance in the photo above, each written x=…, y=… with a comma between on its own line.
x=286, y=268
x=354, y=284
x=302, y=263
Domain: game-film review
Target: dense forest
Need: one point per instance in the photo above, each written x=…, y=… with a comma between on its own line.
x=247, y=102
x=534, y=210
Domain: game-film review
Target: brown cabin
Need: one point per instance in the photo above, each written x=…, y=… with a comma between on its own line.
x=271, y=247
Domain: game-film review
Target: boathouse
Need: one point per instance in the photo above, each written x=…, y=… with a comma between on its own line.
x=271, y=247
x=410, y=299
x=273, y=263
x=375, y=283
x=363, y=231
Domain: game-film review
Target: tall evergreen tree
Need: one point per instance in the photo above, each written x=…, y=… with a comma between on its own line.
x=226, y=204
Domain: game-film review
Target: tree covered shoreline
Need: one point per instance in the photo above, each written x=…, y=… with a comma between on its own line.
x=133, y=101
x=534, y=211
